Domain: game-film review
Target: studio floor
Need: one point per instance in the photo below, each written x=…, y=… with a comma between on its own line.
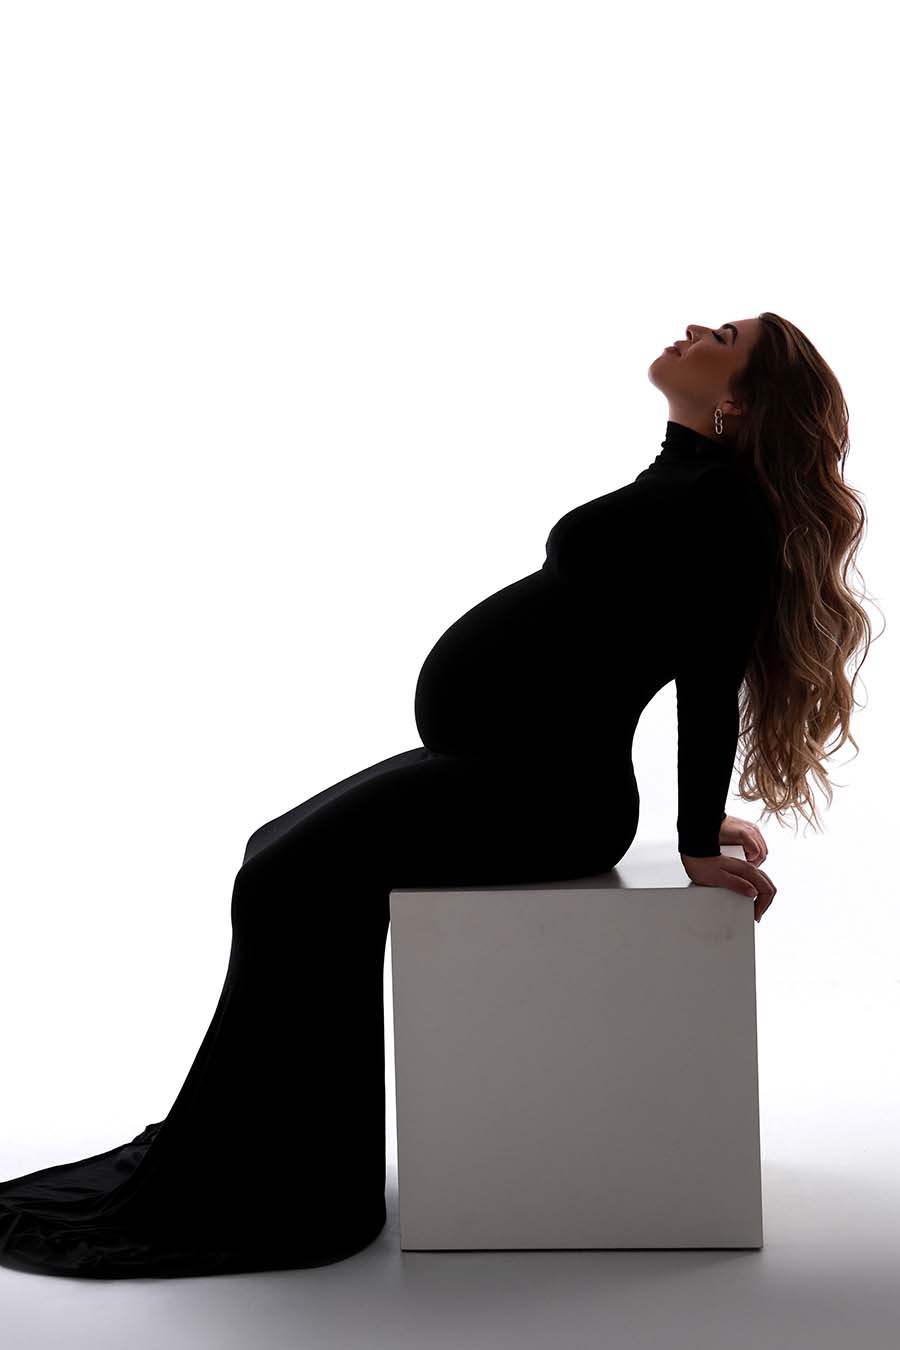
x=826, y=1277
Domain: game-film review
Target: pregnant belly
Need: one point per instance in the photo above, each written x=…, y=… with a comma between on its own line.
x=519, y=671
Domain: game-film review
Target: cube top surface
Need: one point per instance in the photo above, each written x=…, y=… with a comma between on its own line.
x=650, y=865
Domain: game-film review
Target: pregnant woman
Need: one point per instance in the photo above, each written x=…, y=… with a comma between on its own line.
x=719, y=566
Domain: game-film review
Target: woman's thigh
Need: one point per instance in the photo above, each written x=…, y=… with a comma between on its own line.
x=425, y=819
x=274, y=829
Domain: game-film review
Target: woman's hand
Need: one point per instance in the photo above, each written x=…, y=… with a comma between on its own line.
x=735, y=874
x=733, y=830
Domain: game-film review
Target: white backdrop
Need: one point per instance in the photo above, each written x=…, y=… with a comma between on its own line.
x=315, y=318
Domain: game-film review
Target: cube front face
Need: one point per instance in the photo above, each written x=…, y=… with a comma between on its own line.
x=576, y=1068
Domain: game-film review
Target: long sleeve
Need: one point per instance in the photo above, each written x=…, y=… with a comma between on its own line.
x=708, y=724
x=728, y=566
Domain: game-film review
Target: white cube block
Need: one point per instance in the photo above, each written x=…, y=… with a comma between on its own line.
x=576, y=1062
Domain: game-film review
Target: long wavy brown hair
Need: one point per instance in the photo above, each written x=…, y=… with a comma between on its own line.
x=796, y=695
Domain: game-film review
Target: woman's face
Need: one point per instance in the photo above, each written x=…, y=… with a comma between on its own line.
x=694, y=374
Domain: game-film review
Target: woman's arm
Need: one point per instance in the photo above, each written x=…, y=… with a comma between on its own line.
x=727, y=570
x=708, y=725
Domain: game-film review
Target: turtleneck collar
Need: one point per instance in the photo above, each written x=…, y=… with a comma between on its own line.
x=683, y=443
x=684, y=449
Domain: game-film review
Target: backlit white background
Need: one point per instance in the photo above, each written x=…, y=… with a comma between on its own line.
x=315, y=319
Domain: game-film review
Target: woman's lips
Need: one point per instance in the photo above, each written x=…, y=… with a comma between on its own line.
x=673, y=349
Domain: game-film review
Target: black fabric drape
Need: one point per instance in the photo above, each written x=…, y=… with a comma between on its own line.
x=273, y=1153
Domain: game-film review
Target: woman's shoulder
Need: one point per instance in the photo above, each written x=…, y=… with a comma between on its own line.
x=728, y=481
x=730, y=505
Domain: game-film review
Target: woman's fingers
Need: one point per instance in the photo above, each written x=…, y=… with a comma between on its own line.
x=753, y=882
x=763, y=902
x=754, y=845
x=736, y=874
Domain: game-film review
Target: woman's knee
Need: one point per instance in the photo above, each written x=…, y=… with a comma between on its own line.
x=282, y=888
x=259, y=896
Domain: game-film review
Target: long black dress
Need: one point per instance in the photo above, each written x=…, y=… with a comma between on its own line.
x=272, y=1155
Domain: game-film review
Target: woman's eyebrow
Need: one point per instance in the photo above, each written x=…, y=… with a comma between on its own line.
x=734, y=330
